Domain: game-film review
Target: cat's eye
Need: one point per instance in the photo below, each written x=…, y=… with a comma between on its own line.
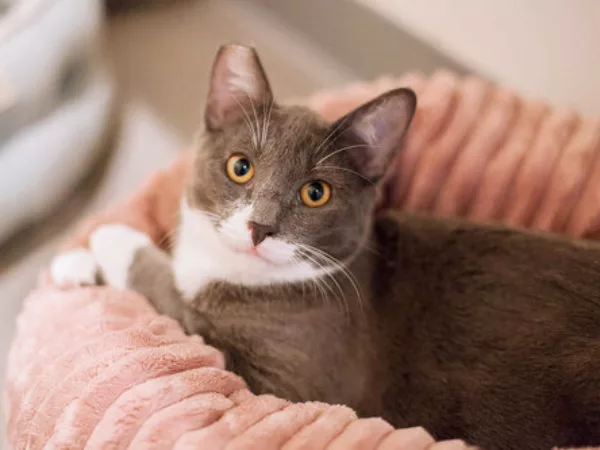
x=315, y=193
x=239, y=169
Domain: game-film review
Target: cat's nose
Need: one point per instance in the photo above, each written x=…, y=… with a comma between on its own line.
x=260, y=232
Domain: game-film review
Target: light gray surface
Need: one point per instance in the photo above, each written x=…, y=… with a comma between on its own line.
x=164, y=56
x=55, y=90
x=366, y=43
x=144, y=146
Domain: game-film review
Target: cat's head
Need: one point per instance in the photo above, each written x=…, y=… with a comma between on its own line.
x=278, y=188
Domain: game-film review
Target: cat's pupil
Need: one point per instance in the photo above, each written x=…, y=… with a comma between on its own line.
x=241, y=167
x=316, y=191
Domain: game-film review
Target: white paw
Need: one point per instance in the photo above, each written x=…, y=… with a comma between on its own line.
x=74, y=267
x=114, y=247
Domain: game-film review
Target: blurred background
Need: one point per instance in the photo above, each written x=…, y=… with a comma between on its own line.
x=96, y=94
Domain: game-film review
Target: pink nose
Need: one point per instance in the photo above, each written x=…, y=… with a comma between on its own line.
x=260, y=232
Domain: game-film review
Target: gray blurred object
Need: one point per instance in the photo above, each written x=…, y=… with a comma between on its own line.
x=119, y=6
x=56, y=104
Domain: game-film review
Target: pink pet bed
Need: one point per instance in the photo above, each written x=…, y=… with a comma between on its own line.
x=97, y=368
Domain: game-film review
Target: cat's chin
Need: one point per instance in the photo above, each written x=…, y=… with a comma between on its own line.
x=256, y=254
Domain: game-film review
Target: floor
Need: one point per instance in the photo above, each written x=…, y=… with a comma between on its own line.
x=161, y=60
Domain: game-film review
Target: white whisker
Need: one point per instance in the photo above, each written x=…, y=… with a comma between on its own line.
x=317, y=283
x=341, y=267
x=267, y=120
x=253, y=132
x=318, y=253
x=346, y=170
x=322, y=280
x=331, y=134
x=339, y=150
x=255, y=114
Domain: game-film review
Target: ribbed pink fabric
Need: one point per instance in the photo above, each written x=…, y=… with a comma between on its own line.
x=480, y=151
x=100, y=370
x=97, y=368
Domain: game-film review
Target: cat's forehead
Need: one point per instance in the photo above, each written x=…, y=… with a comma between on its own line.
x=294, y=133
x=298, y=124
x=288, y=134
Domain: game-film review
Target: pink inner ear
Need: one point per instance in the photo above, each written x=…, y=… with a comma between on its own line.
x=241, y=77
x=382, y=125
x=375, y=125
x=238, y=86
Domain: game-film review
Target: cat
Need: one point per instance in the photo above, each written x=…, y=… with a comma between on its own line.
x=482, y=333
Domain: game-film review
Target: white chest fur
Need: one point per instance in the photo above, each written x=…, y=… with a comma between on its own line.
x=204, y=253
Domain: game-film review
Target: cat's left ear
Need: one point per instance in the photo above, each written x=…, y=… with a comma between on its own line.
x=238, y=87
x=381, y=124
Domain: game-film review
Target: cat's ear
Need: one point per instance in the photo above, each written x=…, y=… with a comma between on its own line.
x=238, y=86
x=381, y=124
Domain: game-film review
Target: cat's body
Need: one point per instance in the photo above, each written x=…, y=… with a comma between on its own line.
x=480, y=333
x=483, y=333
x=489, y=334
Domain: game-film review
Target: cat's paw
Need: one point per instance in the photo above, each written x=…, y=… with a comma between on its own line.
x=114, y=247
x=75, y=267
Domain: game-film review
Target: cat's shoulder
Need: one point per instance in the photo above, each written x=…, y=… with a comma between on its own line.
x=448, y=232
x=393, y=225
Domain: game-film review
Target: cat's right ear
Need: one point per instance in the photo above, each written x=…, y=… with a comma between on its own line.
x=381, y=125
x=238, y=87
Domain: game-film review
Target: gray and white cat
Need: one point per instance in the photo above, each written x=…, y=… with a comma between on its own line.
x=481, y=333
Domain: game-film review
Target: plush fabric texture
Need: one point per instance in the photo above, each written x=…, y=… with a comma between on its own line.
x=98, y=368
x=480, y=151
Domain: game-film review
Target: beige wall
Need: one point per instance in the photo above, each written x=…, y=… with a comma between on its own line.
x=544, y=48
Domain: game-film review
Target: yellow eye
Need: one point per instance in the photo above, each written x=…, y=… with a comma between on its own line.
x=315, y=193
x=239, y=169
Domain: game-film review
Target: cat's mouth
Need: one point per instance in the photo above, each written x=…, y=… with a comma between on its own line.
x=252, y=252
x=236, y=235
x=266, y=253
x=260, y=254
